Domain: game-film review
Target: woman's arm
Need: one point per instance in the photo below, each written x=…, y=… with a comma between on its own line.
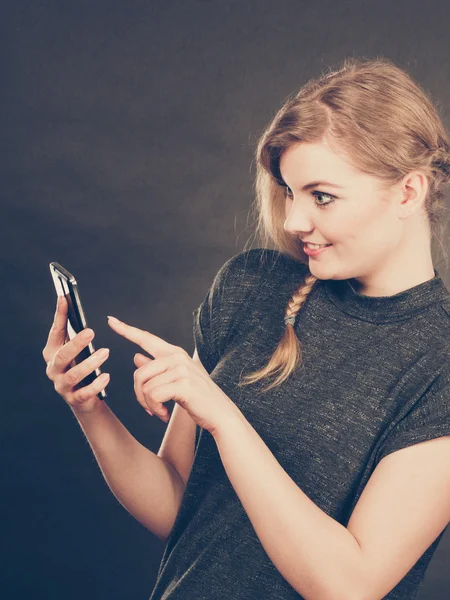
x=146, y=485
x=318, y=556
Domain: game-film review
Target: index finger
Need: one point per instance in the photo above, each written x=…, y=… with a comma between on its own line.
x=150, y=342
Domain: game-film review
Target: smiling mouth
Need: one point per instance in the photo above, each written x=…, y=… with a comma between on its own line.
x=315, y=246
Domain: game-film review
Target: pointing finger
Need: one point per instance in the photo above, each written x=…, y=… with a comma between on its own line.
x=151, y=343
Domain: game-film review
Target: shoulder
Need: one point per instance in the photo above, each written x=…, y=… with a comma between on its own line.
x=259, y=273
x=445, y=305
x=440, y=327
x=260, y=263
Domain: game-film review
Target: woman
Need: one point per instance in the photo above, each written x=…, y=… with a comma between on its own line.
x=334, y=479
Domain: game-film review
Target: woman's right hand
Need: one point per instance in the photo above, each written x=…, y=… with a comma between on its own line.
x=59, y=354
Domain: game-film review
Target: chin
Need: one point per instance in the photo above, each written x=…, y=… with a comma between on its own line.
x=325, y=275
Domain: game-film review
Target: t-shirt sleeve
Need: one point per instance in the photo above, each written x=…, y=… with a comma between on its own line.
x=207, y=325
x=428, y=418
x=224, y=304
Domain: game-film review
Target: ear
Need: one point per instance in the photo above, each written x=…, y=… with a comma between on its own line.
x=414, y=189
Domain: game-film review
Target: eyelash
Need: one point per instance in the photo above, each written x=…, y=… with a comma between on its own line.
x=315, y=193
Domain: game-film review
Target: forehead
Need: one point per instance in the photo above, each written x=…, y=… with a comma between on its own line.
x=315, y=162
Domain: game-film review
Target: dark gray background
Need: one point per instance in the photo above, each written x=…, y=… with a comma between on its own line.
x=127, y=139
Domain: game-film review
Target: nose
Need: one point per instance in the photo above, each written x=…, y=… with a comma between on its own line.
x=297, y=221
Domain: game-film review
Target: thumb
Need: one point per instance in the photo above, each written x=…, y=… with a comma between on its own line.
x=140, y=359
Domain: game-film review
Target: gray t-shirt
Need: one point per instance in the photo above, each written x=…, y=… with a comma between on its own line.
x=375, y=378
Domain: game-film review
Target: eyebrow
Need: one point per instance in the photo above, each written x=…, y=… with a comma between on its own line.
x=313, y=184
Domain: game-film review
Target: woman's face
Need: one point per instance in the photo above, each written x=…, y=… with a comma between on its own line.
x=368, y=230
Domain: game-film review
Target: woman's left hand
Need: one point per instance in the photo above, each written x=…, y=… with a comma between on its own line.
x=174, y=375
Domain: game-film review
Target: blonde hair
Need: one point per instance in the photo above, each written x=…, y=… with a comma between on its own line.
x=385, y=122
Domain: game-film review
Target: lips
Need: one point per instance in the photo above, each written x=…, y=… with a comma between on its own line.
x=313, y=252
x=320, y=245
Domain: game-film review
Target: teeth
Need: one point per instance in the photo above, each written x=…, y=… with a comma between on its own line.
x=316, y=246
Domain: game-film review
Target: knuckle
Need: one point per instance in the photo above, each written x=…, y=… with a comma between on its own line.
x=71, y=378
x=78, y=398
x=83, y=394
x=147, y=388
x=138, y=391
x=97, y=357
x=56, y=329
x=138, y=377
x=48, y=370
x=86, y=392
x=181, y=370
x=58, y=385
x=62, y=356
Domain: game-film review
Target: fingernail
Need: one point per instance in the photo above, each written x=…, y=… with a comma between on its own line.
x=113, y=319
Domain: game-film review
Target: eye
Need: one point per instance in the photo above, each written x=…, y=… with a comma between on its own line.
x=315, y=193
x=319, y=193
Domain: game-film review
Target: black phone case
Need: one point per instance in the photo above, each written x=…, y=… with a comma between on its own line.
x=66, y=285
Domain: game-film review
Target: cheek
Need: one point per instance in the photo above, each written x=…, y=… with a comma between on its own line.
x=362, y=224
x=346, y=229
x=371, y=230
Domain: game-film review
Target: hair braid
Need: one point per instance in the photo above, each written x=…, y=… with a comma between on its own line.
x=298, y=298
x=288, y=353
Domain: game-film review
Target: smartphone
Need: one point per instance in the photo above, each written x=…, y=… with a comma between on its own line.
x=66, y=285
